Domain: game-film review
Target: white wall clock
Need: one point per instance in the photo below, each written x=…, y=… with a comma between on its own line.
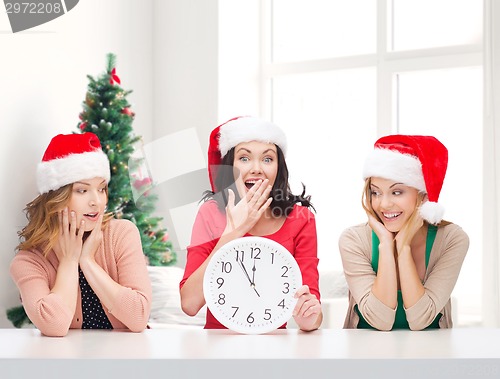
x=250, y=283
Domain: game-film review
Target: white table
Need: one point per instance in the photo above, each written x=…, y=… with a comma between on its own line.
x=186, y=353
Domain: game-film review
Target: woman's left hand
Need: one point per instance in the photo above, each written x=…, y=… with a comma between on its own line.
x=93, y=241
x=406, y=234
x=307, y=311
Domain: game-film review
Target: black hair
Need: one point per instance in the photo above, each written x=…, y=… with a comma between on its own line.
x=283, y=198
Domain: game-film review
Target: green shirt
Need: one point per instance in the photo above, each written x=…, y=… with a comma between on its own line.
x=400, y=321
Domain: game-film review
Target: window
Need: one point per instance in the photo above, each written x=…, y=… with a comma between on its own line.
x=337, y=78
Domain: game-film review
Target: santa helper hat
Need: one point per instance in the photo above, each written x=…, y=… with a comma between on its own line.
x=235, y=131
x=70, y=158
x=417, y=161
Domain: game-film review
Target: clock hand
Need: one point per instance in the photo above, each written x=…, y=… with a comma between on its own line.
x=242, y=265
x=255, y=289
x=253, y=279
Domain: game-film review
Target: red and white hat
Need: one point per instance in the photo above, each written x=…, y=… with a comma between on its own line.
x=69, y=158
x=238, y=130
x=417, y=161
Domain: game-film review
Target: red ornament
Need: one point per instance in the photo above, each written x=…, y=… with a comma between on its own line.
x=83, y=125
x=128, y=112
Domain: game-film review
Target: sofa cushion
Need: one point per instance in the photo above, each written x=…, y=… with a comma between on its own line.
x=166, y=305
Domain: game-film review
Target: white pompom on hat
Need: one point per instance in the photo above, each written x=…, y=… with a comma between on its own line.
x=417, y=161
x=238, y=130
x=70, y=158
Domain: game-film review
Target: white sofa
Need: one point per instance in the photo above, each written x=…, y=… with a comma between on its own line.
x=166, y=311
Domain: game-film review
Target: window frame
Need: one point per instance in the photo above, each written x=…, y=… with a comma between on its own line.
x=388, y=64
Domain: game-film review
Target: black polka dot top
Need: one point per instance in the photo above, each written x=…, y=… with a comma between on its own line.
x=94, y=316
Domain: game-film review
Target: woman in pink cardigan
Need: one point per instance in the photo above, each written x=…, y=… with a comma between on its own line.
x=76, y=266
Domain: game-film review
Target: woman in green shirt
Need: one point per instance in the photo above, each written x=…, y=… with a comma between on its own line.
x=402, y=265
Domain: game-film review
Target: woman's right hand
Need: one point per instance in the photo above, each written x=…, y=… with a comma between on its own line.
x=70, y=240
x=68, y=249
x=380, y=230
x=243, y=216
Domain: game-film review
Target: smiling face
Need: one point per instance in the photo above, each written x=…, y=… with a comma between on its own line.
x=393, y=202
x=255, y=161
x=88, y=200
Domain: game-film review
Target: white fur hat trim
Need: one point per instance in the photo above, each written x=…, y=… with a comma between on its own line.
x=389, y=164
x=246, y=129
x=57, y=173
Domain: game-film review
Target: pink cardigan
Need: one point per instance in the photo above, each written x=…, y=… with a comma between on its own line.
x=120, y=255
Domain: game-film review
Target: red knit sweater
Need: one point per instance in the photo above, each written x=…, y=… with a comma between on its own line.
x=298, y=235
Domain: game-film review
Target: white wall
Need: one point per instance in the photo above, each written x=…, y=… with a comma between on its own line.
x=185, y=50
x=205, y=69
x=169, y=54
x=42, y=85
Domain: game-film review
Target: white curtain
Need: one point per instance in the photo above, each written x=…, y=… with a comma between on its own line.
x=491, y=254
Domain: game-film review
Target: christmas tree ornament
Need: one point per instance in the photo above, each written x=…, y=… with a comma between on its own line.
x=128, y=112
x=89, y=100
x=113, y=78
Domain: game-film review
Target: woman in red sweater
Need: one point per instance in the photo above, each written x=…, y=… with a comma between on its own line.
x=76, y=266
x=249, y=179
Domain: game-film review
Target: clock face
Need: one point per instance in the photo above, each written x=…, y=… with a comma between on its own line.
x=250, y=283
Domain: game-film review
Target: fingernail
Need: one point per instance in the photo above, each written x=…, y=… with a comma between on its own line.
x=72, y=214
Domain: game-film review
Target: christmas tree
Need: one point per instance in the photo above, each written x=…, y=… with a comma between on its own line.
x=106, y=113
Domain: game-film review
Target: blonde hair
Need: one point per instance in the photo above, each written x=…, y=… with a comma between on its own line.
x=366, y=199
x=42, y=230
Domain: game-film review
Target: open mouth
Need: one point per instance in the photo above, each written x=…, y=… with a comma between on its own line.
x=391, y=215
x=92, y=216
x=250, y=183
